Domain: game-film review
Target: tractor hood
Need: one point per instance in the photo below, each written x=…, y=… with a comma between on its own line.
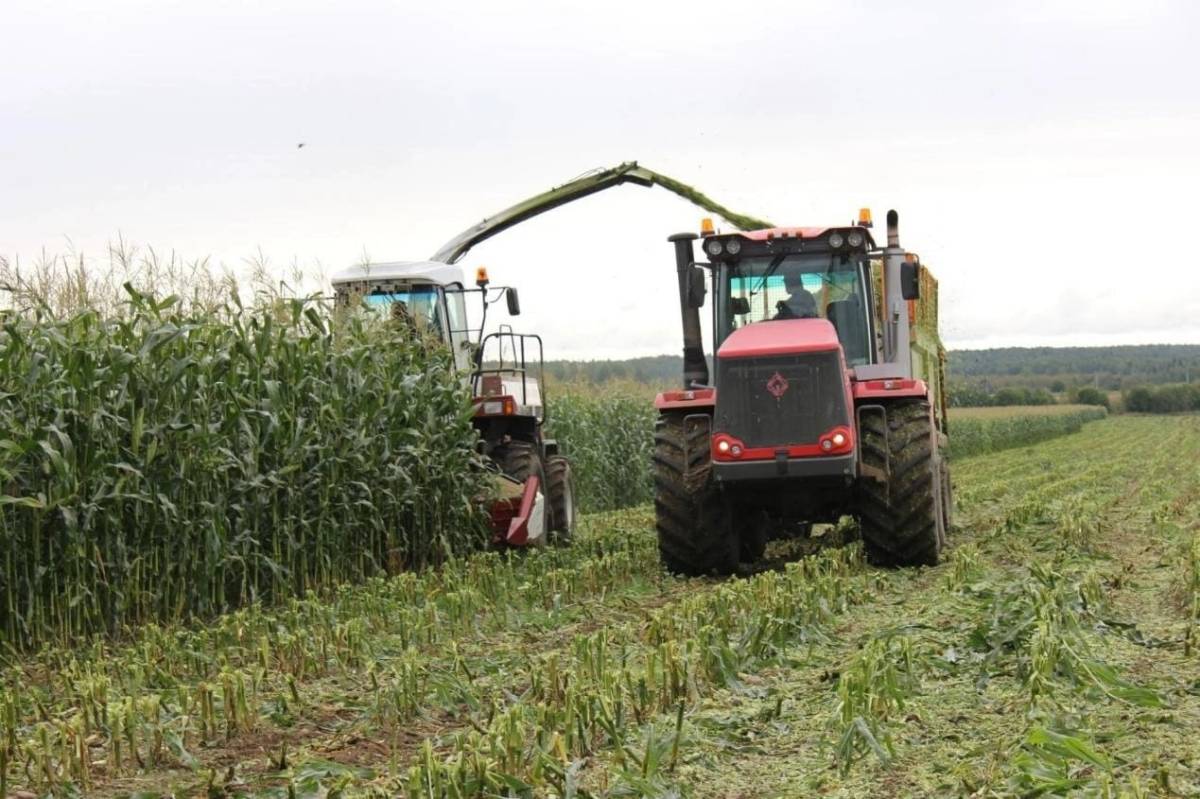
x=782, y=337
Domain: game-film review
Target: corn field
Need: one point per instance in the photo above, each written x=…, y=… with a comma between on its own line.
x=1052, y=654
x=974, y=431
x=241, y=559
x=608, y=432
x=163, y=466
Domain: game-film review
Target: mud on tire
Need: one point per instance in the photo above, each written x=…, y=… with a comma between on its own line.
x=695, y=536
x=900, y=517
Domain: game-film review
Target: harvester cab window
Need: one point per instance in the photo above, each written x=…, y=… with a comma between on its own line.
x=418, y=305
x=767, y=290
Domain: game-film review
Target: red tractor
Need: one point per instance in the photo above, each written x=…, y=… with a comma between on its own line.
x=827, y=399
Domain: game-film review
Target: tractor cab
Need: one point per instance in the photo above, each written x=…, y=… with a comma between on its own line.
x=796, y=273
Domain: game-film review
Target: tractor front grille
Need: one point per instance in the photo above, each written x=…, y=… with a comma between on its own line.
x=780, y=400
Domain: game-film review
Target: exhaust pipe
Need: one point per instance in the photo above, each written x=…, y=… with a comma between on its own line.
x=893, y=229
x=695, y=368
x=897, y=346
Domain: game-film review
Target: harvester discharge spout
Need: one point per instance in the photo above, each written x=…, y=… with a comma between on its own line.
x=582, y=186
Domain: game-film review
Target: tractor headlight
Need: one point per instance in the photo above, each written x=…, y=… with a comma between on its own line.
x=733, y=246
x=713, y=247
x=836, y=240
x=854, y=239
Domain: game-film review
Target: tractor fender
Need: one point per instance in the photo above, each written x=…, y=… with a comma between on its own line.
x=688, y=399
x=892, y=388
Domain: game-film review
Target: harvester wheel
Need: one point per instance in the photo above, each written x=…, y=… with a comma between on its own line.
x=695, y=536
x=901, y=516
x=519, y=460
x=560, y=496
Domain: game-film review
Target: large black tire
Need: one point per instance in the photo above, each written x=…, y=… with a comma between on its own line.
x=518, y=459
x=560, y=498
x=695, y=537
x=901, y=516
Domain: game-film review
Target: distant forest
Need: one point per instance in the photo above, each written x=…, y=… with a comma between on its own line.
x=1055, y=369
x=656, y=370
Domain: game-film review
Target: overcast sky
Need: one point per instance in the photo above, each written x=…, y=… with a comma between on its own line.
x=1043, y=155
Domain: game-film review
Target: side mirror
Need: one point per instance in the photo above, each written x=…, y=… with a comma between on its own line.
x=514, y=301
x=739, y=305
x=696, y=288
x=910, y=281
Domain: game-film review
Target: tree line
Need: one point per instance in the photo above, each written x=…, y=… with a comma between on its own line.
x=1010, y=375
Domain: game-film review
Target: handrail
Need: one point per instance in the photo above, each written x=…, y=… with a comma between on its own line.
x=520, y=367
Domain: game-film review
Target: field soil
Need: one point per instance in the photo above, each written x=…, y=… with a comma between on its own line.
x=1053, y=652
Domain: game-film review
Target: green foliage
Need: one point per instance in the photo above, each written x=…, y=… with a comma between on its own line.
x=983, y=371
x=166, y=697
x=1091, y=396
x=980, y=434
x=608, y=433
x=653, y=370
x=966, y=396
x=1041, y=620
x=1163, y=399
x=609, y=436
x=166, y=465
x=1055, y=762
x=1042, y=366
x=585, y=671
x=871, y=689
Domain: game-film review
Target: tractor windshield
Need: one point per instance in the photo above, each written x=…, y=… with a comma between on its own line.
x=416, y=305
x=800, y=286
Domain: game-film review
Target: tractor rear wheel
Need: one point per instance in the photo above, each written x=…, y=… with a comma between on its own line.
x=900, y=516
x=695, y=536
x=560, y=498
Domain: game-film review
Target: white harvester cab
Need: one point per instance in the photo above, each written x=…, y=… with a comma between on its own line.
x=431, y=297
x=505, y=380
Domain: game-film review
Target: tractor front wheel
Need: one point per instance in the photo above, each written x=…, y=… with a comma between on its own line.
x=901, y=515
x=695, y=534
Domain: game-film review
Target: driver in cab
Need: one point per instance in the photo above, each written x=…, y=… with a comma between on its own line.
x=800, y=304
